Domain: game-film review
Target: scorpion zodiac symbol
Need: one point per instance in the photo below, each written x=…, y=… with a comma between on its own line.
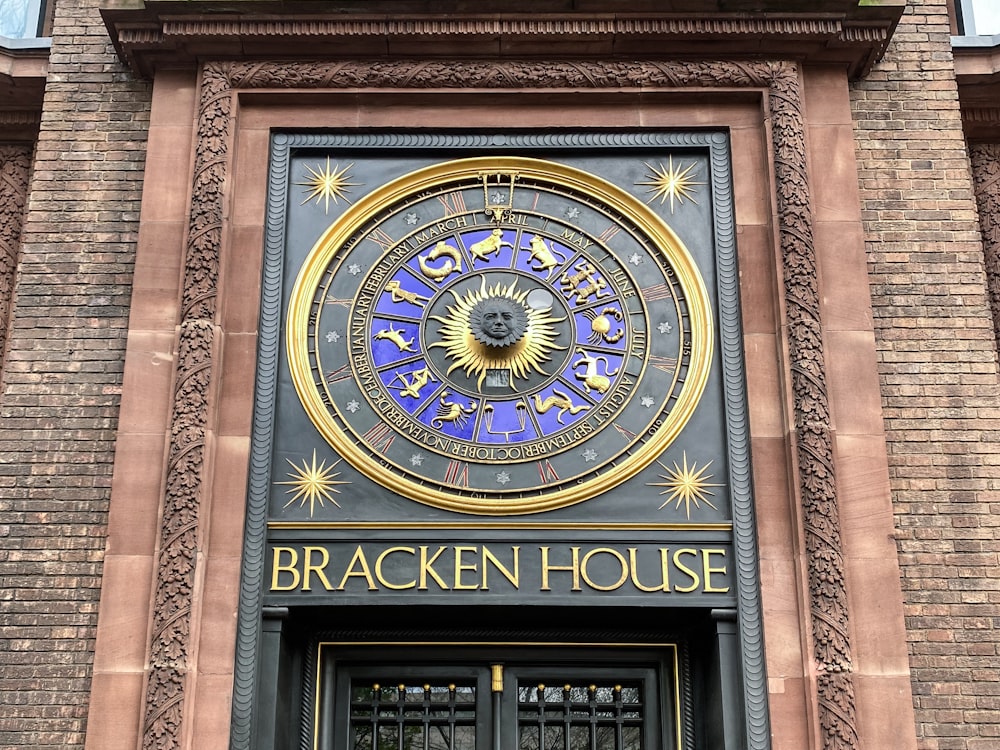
x=450, y=411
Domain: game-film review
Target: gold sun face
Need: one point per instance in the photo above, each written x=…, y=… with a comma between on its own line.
x=312, y=484
x=671, y=183
x=467, y=342
x=686, y=485
x=327, y=183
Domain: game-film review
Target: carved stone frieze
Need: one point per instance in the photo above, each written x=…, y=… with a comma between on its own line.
x=15, y=165
x=170, y=646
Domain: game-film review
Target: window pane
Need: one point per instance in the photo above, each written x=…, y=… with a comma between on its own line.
x=19, y=18
x=985, y=20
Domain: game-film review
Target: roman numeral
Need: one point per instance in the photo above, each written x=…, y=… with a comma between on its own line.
x=341, y=373
x=656, y=292
x=380, y=437
x=454, y=203
x=457, y=474
x=664, y=364
x=627, y=434
x=381, y=239
x=546, y=472
x=608, y=233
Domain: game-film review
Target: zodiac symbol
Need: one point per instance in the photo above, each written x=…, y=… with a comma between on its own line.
x=544, y=254
x=395, y=337
x=592, y=380
x=452, y=264
x=562, y=402
x=399, y=294
x=490, y=246
x=585, y=272
x=519, y=410
x=600, y=326
x=418, y=379
x=449, y=411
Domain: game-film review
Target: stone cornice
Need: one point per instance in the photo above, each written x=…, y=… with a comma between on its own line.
x=157, y=35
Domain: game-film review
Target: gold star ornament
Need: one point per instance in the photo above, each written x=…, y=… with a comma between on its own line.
x=327, y=183
x=670, y=182
x=687, y=485
x=312, y=484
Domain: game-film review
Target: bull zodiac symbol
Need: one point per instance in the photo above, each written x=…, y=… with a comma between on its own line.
x=411, y=387
x=395, y=337
x=560, y=401
x=449, y=411
x=452, y=263
x=490, y=246
x=545, y=255
x=591, y=378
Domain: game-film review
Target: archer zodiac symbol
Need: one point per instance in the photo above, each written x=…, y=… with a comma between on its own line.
x=490, y=246
x=584, y=272
x=600, y=325
x=544, y=254
x=418, y=379
x=452, y=263
x=593, y=380
x=396, y=337
x=559, y=401
x=398, y=294
x=450, y=411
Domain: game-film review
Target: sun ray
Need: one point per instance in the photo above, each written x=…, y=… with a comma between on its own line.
x=474, y=358
x=312, y=484
x=687, y=485
x=326, y=183
x=668, y=182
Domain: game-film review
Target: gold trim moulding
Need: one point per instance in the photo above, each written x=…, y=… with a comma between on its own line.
x=532, y=526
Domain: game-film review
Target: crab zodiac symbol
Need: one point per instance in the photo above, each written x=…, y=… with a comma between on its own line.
x=600, y=325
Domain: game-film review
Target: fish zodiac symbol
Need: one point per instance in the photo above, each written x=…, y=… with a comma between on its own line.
x=452, y=263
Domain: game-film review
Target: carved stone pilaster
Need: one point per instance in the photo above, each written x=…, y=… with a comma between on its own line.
x=170, y=645
x=986, y=179
x=15, y=165
x=180, y=530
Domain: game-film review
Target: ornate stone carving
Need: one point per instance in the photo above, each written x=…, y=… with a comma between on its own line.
x=986, y=178
x=828, y=599
x=15, y=164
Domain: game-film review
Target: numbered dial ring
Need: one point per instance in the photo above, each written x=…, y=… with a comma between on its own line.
x=499, y=336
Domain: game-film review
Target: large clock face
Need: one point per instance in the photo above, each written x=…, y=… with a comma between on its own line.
x=518, y=335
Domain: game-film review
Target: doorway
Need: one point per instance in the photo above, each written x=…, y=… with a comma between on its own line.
x=500, y=699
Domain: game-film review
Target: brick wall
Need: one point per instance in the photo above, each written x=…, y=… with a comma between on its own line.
x=62, y=378
x=939, y=379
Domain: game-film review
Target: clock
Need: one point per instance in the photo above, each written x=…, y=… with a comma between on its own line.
x=499, y=335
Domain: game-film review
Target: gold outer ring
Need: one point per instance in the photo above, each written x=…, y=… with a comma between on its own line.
x=647, y=222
